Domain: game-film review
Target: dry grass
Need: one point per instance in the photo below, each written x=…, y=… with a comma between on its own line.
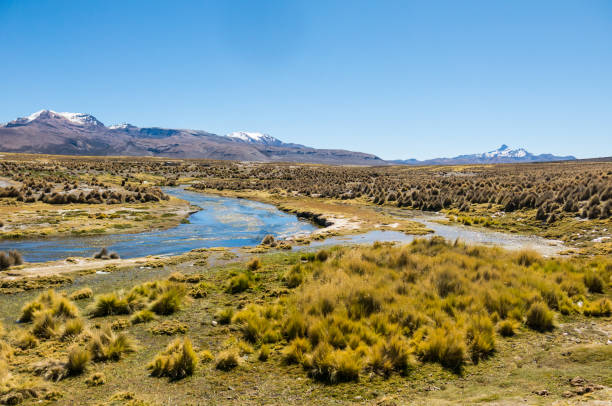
x=380, y=307
x=177, y=361
x=106, y=345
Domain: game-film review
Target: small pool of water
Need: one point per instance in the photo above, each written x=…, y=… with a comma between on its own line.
x=222, y=222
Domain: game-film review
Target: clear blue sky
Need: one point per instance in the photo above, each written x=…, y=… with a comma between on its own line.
x=400, y=79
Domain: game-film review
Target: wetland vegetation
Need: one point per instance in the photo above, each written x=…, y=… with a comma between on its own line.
x=428, y=322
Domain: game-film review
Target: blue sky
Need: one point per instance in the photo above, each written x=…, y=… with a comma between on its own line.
x=400, y=79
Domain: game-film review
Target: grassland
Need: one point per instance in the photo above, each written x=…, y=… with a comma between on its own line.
x=426, y=323
x=431, y=322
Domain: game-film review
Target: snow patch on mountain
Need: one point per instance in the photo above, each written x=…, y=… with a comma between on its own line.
x=506, y=152
x=122, y=126
x=75, y=118
x=254, y=138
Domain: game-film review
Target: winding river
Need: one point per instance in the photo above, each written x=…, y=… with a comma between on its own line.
x=222, y=222
x=230, y=222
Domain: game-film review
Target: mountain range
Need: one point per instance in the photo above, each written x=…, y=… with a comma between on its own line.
x=503, y=154
x=50, y=132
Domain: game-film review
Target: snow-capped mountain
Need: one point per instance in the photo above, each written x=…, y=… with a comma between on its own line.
x=254, y=137
x=43, y=115
x=50, y=132
x=506, y=152
x=503, y=154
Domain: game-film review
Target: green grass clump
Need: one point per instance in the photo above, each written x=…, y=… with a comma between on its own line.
x=177, y=361
x=539, y=317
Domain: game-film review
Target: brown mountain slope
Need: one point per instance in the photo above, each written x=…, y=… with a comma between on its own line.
x=48, y=132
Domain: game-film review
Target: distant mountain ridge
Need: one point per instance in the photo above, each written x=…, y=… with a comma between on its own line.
x=501, y=155
x=50, y=132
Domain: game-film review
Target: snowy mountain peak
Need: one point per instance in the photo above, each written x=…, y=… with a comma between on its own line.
x=80, y=119
x=254, y=138
x=506, y=152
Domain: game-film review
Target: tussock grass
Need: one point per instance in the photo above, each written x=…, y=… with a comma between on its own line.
x=57, y=306
x=73, y=328
x=206, y=356
x=539, y=317
x=143, y=316
x=169, y=301
x=177, y=361
x=81, y=294
x=599, y=308
x=254, y=264
x=264, y=353
x=239, y=283
x=26, y=340
x=109, y=304
x=295, y=276
x=225, y=316
x=106, y=345
x=593, y=282
x=227, y=360
x=445, y=345
x=45, y=325
x=506, y=328
x=381, y=308
x=160, y=297
x=200, y=290
x=78, y=358
x=96, y=379
x=55, y=370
